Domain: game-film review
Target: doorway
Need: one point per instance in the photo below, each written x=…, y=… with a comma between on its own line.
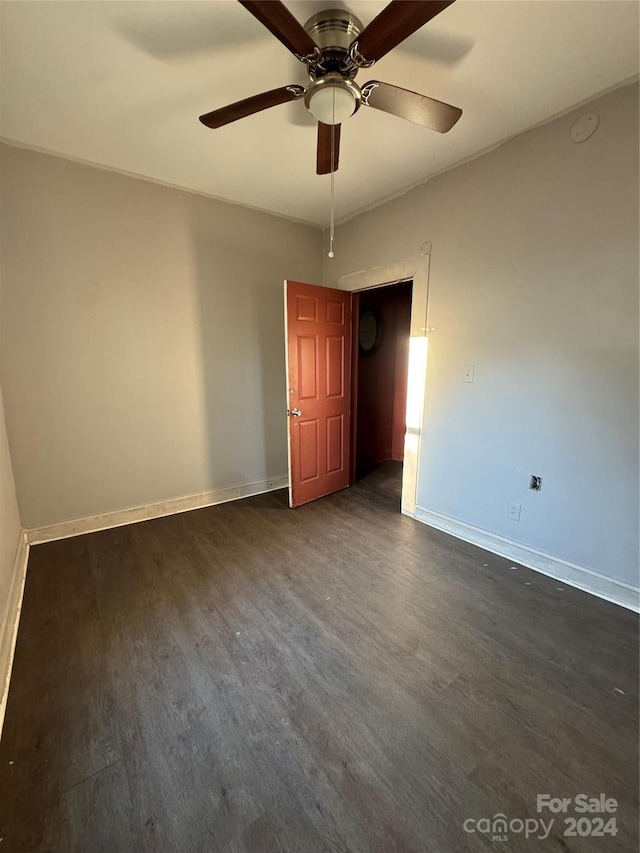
x=381, y=326
x=323, y=334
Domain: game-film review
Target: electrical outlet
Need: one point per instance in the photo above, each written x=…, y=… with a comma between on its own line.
x=468, y=373
x=513, y=511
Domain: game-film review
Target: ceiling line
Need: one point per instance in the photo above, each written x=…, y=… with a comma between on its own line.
x=14, y=143
x=410, y=187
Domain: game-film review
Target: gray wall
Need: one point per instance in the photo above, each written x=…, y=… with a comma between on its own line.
x=143, y=339
x=534, y=280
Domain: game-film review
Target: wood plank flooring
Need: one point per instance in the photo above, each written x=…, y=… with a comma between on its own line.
x=254, y=679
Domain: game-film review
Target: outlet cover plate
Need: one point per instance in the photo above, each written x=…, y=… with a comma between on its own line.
x=513, y=511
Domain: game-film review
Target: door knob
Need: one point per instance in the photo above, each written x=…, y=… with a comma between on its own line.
x=295, y=413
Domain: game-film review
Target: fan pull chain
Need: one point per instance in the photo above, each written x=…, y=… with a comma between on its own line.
x=332, y=222
x=332, y=227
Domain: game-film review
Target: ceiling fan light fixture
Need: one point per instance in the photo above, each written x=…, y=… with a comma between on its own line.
x=332, y=99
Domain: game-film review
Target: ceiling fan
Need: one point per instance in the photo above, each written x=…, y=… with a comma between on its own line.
x=334, y=46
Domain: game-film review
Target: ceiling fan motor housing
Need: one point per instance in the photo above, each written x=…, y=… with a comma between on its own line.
x=332, y=96
x=334, y=30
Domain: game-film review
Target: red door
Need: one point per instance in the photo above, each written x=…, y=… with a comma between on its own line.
x=318, y=381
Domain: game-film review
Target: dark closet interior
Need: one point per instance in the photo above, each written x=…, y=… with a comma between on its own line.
x=382, y=335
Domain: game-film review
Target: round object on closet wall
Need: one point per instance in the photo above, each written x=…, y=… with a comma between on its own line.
x=426, y=247
x=369, y=331
x=584, y=127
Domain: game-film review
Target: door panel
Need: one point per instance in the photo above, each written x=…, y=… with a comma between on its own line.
x=309, y=450
x=319, y=383
x=308, y=367
x=335, y=313
x=335, y=428
x=335, y=366
x=307, y=308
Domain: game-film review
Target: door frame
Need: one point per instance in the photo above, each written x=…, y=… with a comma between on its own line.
x=414, y=269
x=355, y=354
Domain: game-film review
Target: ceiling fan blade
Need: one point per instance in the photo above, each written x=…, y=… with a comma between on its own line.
x=395, y=23
x=328, y=148
x=242, y=109
x=275, y=16
x=428, y=112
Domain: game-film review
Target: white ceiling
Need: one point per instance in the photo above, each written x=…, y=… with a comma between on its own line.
x=122, y=84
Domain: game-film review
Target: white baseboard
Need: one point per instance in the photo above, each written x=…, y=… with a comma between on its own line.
x=118, y=518
x=10, y=619
x=585, y=579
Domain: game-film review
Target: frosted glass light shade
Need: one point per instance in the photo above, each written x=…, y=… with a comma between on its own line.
x=332, y=105
x=332, y=99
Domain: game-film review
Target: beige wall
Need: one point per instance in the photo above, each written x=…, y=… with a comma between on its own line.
x=10, y=526
x=143, y=338
x=534, y=280
x=10, y=539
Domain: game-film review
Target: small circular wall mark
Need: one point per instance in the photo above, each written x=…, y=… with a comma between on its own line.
x=584, y=127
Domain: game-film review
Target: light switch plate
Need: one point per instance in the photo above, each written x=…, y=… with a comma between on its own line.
x=468, y=373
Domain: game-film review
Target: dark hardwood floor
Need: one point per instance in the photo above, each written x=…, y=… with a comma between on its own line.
x=333, y=678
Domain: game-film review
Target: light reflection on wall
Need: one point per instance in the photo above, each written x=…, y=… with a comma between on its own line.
x=416, y=377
